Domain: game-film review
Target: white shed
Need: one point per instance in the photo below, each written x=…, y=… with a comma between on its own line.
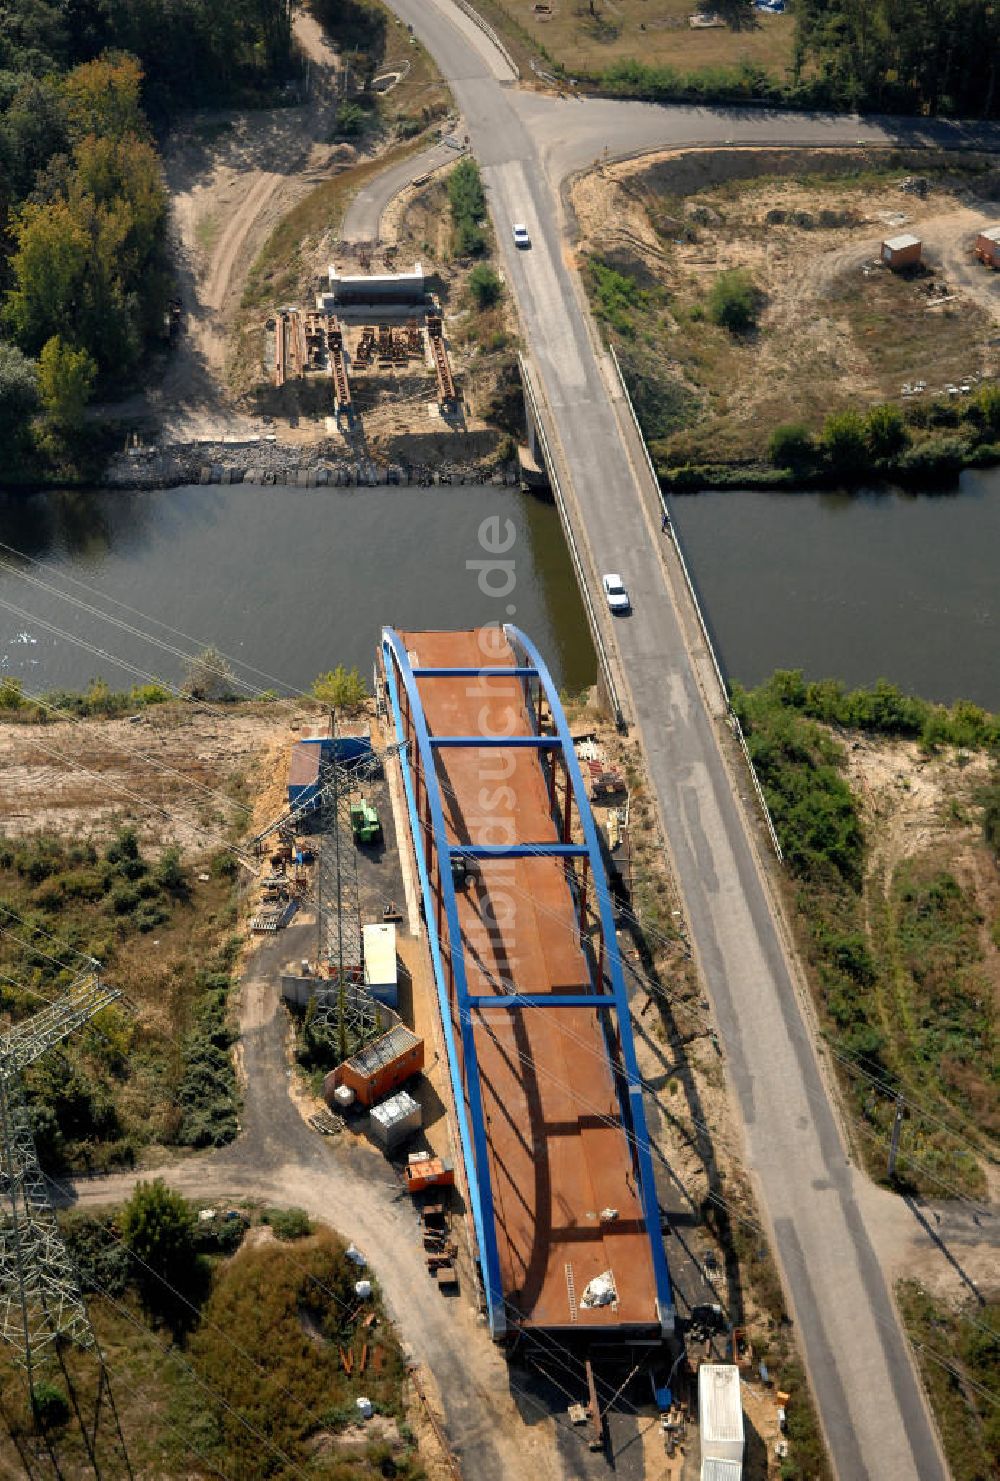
x=720, y=1413
x=381, y=978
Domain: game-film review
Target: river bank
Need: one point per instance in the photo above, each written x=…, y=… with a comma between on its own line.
x=262, y=460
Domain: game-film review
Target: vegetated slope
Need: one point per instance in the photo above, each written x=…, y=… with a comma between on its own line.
x=740, y=294
x=235, y=1367
x=963, y=1375
x=882, y=804
x=86, y=868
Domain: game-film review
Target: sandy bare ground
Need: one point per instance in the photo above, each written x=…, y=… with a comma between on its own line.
x=171, y=775
x=731, y=204
x=231, y=177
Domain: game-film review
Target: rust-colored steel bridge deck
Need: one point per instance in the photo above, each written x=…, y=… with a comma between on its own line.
x=533, y=1003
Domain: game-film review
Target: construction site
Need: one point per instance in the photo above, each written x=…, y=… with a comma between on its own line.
x=464, y=1012
x=370, y=337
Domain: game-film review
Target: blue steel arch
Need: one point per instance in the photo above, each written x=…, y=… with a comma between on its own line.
x=472, y=1130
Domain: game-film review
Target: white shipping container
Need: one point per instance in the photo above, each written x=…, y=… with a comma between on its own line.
x=394, y=1120
x=720, y=1412
x=722, y=1470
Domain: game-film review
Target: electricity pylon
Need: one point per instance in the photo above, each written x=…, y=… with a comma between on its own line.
x=344, y=1011
x=41, y=1305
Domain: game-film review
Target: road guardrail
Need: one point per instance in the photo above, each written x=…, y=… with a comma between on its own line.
x=732, y=717
x=534, y=411
x=488, y=30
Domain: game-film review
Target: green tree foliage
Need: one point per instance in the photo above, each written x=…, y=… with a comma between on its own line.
x=65, y=382
x=485, y=286
x=734, y=301
x=350, y=120
x=158, y=1230
x=886, y=432
x=791, y=446
x=617, y=297
x=103, y=98
x=50, y=1406
x=883, y=709
x=468, y=208
x=342, y=688
x=927, y=56
x=18, y=403
x=33, y=130
x=844, y=440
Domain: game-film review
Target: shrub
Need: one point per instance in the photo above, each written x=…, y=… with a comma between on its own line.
x=11, y=694
x=170, y=874
x=734, y=301
x=343, y=688
x=791, y=446
x=985, y=407
x=350, y=121
x=617, y=295
x=50, y=1405
x=158, y=1229
x=933, y=457
x=209, y=676
x=288, y=1223
x=885, y=431
x=485, y=286
x=470, y=239
x=845, y=441
x=468, y=208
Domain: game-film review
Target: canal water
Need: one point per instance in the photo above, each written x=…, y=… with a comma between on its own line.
x=290, y=582
x=286, y=582
x=856, y=586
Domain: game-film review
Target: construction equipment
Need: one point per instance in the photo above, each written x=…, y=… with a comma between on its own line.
x=423, y=1171
x=338, y=369
x=365, y=823
x=447, y=396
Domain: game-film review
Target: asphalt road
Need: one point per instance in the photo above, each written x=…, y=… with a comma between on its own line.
x=869, y=1396
x=364, y=214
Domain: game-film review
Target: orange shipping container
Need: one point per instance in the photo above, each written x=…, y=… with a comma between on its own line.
x=901, y=251
x=380, y=1068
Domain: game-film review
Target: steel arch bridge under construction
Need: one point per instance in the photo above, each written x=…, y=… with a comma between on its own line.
x=533, y=1005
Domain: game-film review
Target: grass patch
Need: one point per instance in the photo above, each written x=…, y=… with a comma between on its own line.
x=958, y=1352
x=898, y=976
x=589, y=39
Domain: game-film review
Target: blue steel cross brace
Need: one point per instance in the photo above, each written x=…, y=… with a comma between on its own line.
x=471, y=1121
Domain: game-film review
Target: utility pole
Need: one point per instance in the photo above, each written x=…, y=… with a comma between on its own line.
x=41, y=1305
x=897, y=1127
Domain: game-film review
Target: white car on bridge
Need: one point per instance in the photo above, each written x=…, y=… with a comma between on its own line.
x=616, y=593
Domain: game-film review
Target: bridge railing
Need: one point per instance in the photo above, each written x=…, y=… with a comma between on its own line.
x=488, y=30
x=603, y=658
x=732, y=717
